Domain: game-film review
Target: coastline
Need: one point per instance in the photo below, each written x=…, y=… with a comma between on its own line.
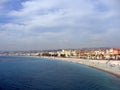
x=109, y=66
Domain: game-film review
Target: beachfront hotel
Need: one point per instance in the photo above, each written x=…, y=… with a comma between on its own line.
x=108, y=54
x=90, y=54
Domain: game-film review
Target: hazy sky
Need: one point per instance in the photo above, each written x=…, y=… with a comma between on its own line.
x=51, y=24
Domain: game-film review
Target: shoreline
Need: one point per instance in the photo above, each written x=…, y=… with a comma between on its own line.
x=114, y=74
x=102, y=65
x=108, y=66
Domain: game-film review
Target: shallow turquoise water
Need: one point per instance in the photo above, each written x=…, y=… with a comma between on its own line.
x=28, y=73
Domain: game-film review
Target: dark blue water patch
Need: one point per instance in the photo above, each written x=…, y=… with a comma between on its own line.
x=29, y=73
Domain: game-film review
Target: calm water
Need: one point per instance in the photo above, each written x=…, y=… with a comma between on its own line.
x=28, y=73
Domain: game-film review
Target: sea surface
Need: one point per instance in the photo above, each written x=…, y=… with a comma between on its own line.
x=30, y=73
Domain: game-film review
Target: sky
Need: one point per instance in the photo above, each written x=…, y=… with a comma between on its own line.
x=59, y=24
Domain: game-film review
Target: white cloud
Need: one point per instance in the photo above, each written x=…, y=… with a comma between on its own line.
x=59, y=22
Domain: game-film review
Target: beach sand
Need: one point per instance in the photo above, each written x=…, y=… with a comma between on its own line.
x=109, y=66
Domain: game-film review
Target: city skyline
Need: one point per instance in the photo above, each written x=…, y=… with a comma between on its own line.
x=54, y=24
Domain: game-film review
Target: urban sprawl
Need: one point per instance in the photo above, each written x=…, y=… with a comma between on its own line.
x=92, y=54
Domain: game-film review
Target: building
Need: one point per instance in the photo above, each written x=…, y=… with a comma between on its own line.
x=113, y=53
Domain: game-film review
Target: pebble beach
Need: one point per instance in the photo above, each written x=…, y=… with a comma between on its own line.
x=109, y=66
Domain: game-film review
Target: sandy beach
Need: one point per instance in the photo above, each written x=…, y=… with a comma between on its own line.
x=109, y=66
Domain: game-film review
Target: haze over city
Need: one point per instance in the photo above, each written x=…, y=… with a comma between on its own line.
x=54, y=24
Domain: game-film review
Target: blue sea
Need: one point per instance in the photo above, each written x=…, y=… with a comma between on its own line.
x=30, y=73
